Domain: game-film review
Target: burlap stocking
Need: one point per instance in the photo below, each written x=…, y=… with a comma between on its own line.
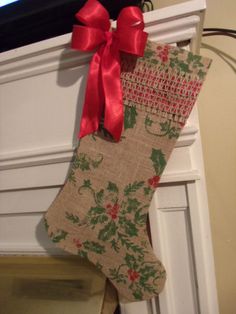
x=101, y=211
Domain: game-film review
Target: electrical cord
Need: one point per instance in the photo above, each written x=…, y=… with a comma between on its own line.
x=216, y=31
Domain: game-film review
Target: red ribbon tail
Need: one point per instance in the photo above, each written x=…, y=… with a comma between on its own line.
x=113, y=118
x=94, y=97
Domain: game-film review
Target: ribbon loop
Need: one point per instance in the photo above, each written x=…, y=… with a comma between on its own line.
x=104, y=90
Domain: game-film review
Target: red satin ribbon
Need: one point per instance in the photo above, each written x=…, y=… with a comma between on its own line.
x=104, y=91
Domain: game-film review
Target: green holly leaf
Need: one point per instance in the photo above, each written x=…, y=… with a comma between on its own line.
x=114, y=275
x=154, y=61
x=131, y=188
x=190, y=57
x=87, y=184
x=82, y=254
x=184, y=67
x=164, y=126
x=99, y=219
x=81, y=162
x=201, y=74
x=61, y=235
x=173, y=133
x=148, y=53
x=96, y=163
x=128, y=226
x=125, y=241
x=108, y=231
x=46, y=224
x=96, y=210
x=71, y=177
x=132, y=204
x=94, y=247
x=112, y=187
x=99, y=196
x=147, y=190
x=73, y=218
x=148, y=121
x=130, y=117
x=138, y=295
x=172, y=63
x=146, y=273
x=195, y=59
x=140, y=218
x=115, y=246
x=158, y=159
x=131, y=261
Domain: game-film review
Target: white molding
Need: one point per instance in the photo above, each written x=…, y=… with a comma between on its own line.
x=34, y=157
x=54, y=54
x=177, y=11
x=204, y=262
x=11, y=249
x=180, y=176
x=173, y=177
x=64, y=153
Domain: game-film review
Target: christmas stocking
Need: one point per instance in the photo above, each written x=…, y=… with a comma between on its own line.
x=101, y=212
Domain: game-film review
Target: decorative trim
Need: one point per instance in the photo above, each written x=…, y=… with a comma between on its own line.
x=181, y=176
x=173, y=177
x=9, y=249
x=64, y=153
x=55, y=54
x=36, y=157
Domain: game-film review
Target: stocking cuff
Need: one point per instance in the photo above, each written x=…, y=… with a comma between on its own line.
x=166, y=81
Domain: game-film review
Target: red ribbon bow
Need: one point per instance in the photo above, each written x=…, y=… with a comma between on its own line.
x=104, y=91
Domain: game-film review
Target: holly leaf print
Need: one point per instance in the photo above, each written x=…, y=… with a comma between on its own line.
x=112, y=187
x=147, y=190
x=98, y=219
x=184, y=67
x=87, y=184
x=125, y=241
x=148, y=53
x=114, y=275
x=130, y=117
x=81, y=162
x=108, y=231
x=114, y=245
x=158, y=159
x=131, y=261
x=195, y=59
x=132, y=205
x=94, y=247
x=140, y=218
x=128, y=226
x=61, y=235
x=73, y=218
x=138, y=294
x=82, y=254
x=96, y=210
x=148, y=121
x=164, y=126
x=46, y=224
x=99, y=196
x=201, y=74
x=146, y=273
x=131, y=188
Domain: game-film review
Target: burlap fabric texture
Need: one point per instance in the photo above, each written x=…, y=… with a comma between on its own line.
x=101, y=212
